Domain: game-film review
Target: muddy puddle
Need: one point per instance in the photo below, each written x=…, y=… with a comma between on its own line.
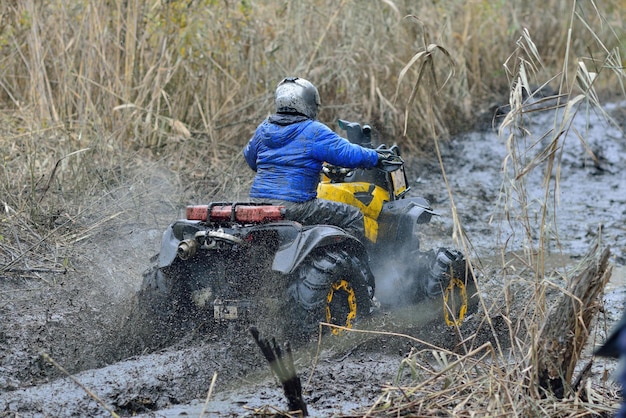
x=342, y=374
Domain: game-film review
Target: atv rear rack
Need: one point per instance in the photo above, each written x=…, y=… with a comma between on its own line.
x=236, y=212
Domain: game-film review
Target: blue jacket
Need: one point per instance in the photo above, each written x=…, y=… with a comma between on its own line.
x=287, y=152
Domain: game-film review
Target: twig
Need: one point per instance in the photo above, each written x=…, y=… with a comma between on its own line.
x=35, y=270
x=54, y=170
x=83, y=387
x=208, y=395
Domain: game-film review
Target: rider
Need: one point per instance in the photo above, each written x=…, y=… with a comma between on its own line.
x=287, y=152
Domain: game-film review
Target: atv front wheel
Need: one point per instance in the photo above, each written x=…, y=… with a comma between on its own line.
x=450, y=280
x=330, y=286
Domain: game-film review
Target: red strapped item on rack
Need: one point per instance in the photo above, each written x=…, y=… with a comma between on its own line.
x=241, y=213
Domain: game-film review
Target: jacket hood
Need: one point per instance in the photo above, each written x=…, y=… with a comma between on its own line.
x=285, y=119
x=281, y=128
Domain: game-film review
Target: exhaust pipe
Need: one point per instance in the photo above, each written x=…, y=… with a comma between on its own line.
x=187, y=249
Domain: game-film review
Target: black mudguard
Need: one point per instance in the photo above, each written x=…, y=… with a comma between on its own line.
x=398, y=219
x=291, y=253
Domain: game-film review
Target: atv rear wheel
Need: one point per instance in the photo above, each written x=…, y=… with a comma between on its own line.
x=158, y=314
x=147, y=326
x=330, y=286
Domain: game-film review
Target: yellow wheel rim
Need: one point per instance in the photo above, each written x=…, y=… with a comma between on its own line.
x=345, y=286
x=455, y=282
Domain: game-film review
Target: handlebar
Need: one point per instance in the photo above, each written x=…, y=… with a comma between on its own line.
x=389, y=165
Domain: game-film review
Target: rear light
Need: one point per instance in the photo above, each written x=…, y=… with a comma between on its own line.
x=239, y=213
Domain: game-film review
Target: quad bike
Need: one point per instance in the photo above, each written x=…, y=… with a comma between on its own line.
x=243, y=261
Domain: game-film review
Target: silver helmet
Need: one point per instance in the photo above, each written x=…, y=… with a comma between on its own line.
x=297, y=95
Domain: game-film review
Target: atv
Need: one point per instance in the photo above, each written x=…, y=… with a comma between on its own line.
x=243, y=261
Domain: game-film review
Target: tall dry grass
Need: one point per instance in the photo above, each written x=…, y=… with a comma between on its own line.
x=192, y=79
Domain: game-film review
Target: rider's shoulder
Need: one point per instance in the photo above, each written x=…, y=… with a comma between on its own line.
x=319, y=127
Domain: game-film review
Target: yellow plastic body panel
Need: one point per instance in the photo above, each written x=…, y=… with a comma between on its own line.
x=366, y=197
